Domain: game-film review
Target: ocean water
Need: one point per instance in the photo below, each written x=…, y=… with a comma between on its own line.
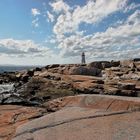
x=14, y=68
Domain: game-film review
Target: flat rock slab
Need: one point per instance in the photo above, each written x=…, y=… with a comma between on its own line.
x=111, y=127
x=11, y=116
x=86, y=117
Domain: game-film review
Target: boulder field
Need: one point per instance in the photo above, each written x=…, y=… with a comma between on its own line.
x=99, y=100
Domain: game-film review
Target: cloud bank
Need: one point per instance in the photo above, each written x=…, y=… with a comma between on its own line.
x=118, y=42
x=21, y=48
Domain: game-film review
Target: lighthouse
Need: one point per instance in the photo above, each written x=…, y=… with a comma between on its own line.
x=83, y=61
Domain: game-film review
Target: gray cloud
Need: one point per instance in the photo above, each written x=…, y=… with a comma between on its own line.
x=21, y=48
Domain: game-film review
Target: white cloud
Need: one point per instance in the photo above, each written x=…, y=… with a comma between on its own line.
x=91, y=13
x=95, y=11
x=53, y=41
x=19, y=48
x=35, y=22
x=134, y=18
x=119, y=42
x=59, y=6
x=130, y=7
x=27, y=52
x=35, y=12
x=50, y=17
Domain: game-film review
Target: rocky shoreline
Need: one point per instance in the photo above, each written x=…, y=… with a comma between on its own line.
x=45, y=88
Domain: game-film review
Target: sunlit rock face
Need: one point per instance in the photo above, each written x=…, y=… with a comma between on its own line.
x=58, y=89
x=11, y=116
x=84, y=117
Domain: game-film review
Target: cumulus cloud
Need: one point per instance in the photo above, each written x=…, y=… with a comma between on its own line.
x=35, y=12
x=59, y=6
x=119, y=40
x=91, y=13
x=130, y=7
x=19, y=48
x=50, y=17
x=35, y=22
x=122, y=41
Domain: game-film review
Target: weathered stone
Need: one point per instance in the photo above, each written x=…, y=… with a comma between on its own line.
x=126, y=86
x=85, y=71
x=115, y=63
x=53, y=66
x=25, y=78
x=91, y=116
x=96, y=64
x=13, y=99
x=109, y=90
x=37, y=69
x=30, y=73
x=127, y=63
x=131, y=93
x=136, y=59
x=11, y=116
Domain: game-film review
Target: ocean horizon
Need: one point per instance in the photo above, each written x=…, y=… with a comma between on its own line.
x=14, y=68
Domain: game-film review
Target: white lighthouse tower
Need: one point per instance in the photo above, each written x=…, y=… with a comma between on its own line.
x=83, y=61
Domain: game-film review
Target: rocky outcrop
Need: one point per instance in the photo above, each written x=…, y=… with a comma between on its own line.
x=75, y=114
x=86, y=117
x=85, y=71
x=34, y=87
x=12, y=116
x=104, y=64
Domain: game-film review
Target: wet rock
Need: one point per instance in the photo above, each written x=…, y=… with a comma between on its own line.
x=13, y=99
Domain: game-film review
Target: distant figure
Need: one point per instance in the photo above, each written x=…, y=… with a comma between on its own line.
x=83, y=58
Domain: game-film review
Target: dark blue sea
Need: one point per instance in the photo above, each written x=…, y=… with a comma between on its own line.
x=14, y=68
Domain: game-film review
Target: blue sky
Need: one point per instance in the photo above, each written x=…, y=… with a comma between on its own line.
x=40, y=32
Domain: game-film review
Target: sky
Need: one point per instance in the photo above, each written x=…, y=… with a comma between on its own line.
x=42, y=32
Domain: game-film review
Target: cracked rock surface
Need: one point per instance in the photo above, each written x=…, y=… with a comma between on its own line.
x=86, y=117
x=11, y=116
